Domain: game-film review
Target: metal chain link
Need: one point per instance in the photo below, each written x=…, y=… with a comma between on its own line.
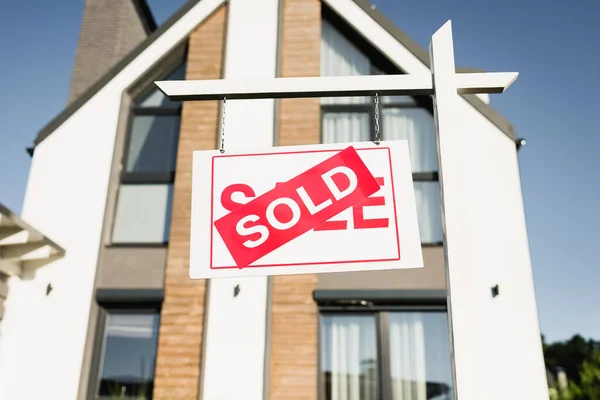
x=222, y=150
x=377, y=133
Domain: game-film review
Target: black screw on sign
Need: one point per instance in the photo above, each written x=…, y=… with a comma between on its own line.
x=236, y=290
x=495, y=291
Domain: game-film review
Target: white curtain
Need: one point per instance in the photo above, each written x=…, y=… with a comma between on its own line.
x=407, y=356
x=420, y=356
x=427, y=198
x=339, y=57
x=345, y=127
x=416, y=126
x=349, y=357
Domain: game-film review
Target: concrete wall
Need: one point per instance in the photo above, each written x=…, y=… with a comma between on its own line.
x=431, y=277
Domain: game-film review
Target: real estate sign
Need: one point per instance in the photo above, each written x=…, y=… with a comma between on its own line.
x=304, y=209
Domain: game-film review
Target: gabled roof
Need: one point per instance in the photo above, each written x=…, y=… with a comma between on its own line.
x=419, y=52
x=114, y=71
x=422, y=55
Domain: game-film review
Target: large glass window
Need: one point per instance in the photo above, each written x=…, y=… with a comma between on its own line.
x=349, y=361
x=128, y=355
x=351, y=119
x=388, y=355
x=143, y=213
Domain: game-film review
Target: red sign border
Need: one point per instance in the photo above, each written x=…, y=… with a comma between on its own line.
x=212, y=196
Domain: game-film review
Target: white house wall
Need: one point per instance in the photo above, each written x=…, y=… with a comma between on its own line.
x=510, y=353
x=505, y=330
x=237, y=326
x=42, y=337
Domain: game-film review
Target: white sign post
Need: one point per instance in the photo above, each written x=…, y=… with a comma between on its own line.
x=444, y=85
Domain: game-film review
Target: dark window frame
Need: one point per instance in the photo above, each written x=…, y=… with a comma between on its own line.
x=381, y=311
x=369, y=108
x=146, y=178
x=122, y=301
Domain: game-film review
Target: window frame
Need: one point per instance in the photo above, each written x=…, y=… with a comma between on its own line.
x=121, y=301
x=380, y=65
x=430, y=176
x=145, y=178
x=136, y=111
x=381, y=312
x=369, y=108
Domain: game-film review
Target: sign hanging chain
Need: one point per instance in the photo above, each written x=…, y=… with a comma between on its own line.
x=377, y=133
x=222, y=150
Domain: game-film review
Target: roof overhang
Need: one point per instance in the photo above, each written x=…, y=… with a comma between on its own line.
x=22, y=248
x=369, y=9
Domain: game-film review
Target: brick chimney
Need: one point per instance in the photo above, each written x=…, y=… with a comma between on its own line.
x=109, y=31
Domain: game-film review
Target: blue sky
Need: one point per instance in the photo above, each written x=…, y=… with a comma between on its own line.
x=553, y=104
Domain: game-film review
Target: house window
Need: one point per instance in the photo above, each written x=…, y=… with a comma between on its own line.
x=388, y=355
x=349, y=357
x=352, y=119
x=128, y=355
x=143, y=212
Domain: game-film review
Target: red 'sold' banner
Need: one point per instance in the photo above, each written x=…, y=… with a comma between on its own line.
x=292, y=208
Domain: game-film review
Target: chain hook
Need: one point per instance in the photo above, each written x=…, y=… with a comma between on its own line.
x=222, y=150
x=377, y=132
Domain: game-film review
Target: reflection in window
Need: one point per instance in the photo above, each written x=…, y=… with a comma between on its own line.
x=153, y=143
x=407, y=359
x=419, y=356
x=429, y=214
x=349, y=357
x=143, y=214
x=128, y=356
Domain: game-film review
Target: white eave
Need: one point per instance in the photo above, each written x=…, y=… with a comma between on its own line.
x=22, y=248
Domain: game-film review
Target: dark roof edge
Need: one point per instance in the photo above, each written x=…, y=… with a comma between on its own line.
x=109, y=295
x=114, y=71
x=469, y=70
x=492, y=115
x=403, y=295
x=145, y=14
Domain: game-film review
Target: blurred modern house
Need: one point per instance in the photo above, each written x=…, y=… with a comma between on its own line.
x=115, y=313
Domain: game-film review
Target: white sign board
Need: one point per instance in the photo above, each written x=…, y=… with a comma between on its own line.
x=303, y=209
